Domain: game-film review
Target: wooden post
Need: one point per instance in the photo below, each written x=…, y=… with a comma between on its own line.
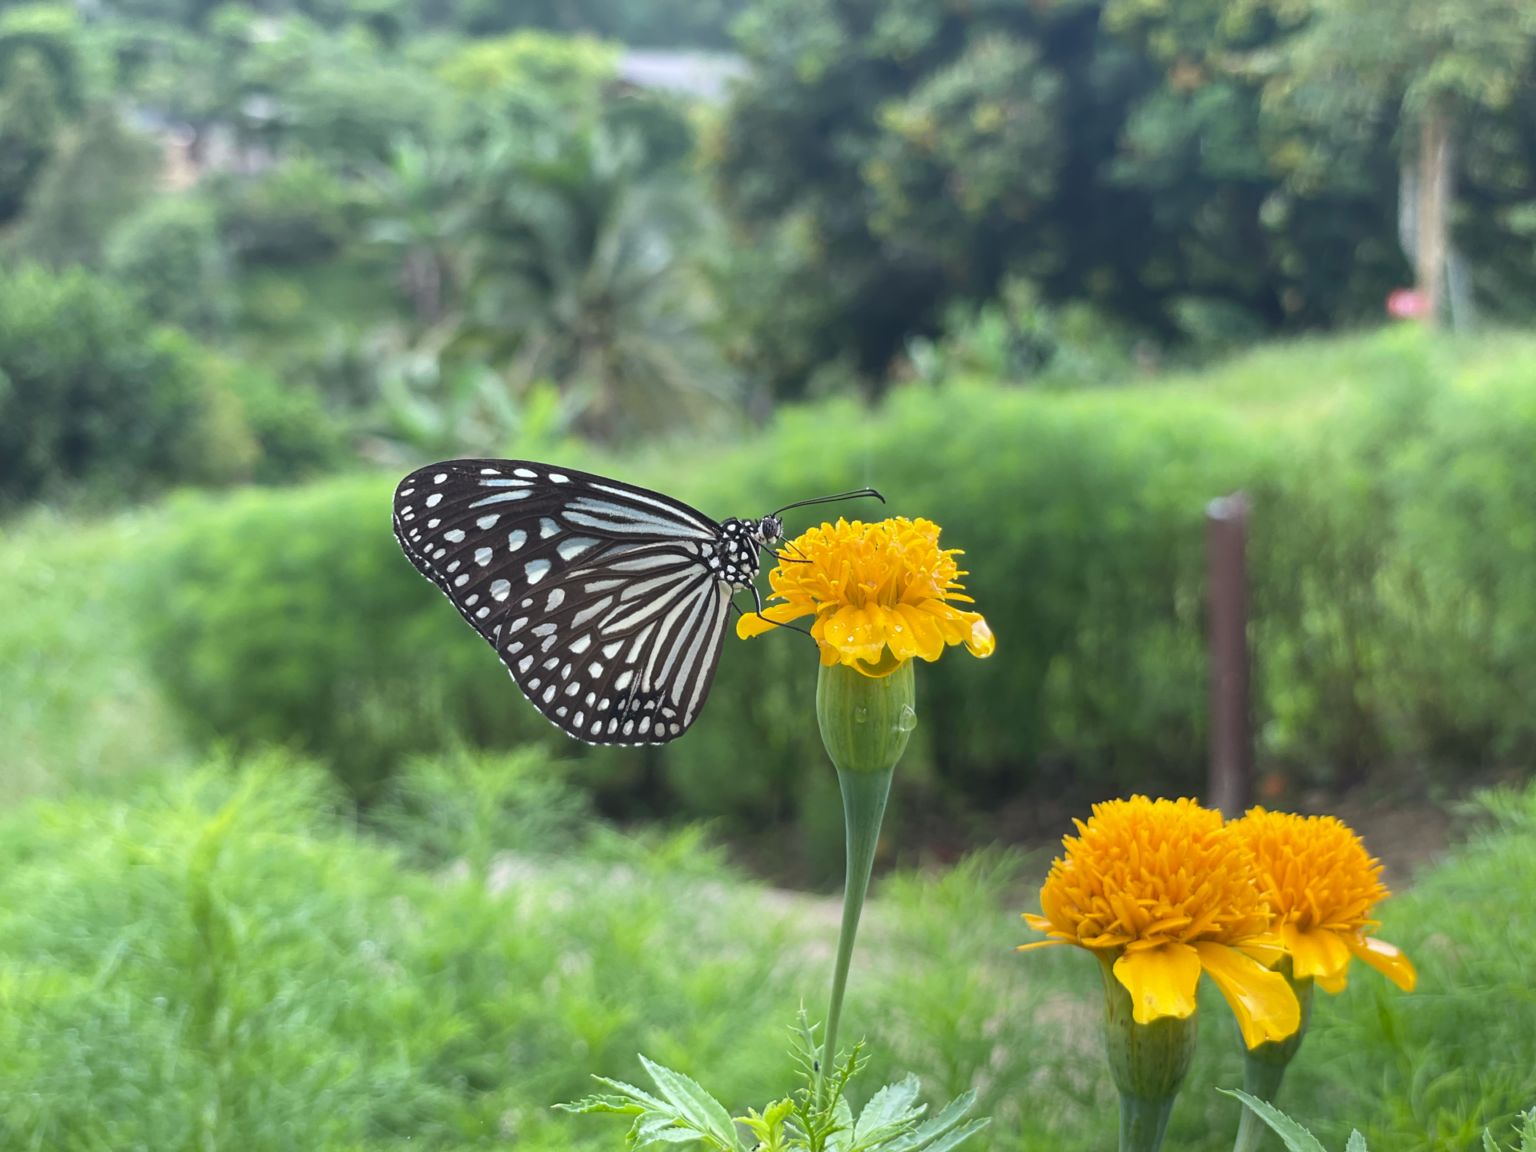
x=1433, y=211
x=1231, y=786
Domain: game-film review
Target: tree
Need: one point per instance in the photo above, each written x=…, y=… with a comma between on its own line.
x=1441, y=65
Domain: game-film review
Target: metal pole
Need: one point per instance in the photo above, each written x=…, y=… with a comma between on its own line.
x=1231, y=786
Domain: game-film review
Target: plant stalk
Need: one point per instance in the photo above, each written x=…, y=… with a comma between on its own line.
x=864, y=797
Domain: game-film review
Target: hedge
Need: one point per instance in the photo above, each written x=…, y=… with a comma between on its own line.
x=1393, y=564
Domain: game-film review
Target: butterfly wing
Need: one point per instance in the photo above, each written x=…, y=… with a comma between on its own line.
x=593, y=593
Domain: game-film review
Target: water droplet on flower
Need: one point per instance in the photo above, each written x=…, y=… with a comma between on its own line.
x=907, y=719
x=861, y=715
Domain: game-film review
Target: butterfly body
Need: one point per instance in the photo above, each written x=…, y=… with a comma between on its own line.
x=606, y=602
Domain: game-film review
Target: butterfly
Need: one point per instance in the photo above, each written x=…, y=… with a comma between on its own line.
x=607, y=602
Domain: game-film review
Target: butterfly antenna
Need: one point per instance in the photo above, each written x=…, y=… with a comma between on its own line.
x=829, y=499
x=775, y=623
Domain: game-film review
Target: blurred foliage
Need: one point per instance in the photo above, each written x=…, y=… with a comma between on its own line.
x=224, y=958
x=292, y=617
x=171, y=256
x=1190, y=167
x=93, y=398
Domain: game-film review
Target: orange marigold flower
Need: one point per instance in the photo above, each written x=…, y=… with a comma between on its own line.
x=1321, y=884
x=1166, y=890
x=878, y=592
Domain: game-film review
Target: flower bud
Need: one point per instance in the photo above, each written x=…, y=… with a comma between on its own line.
x=1148, y=1062
x=865, y=720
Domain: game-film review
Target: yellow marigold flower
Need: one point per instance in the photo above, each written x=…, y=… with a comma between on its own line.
x=878, y=593
x=1167, y=890
x=1321, y=884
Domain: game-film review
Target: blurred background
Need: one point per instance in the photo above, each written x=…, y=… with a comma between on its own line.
x=286, y=860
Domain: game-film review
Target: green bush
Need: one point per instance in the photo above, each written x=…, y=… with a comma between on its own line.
x=171, y=257
x=92, y=397
x=1392, y=585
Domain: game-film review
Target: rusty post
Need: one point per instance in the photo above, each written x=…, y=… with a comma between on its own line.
x=1231, y=786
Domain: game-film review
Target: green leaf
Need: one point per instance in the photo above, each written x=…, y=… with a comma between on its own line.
x=638, y=1095
x=1356, y=1142
x=612, y=1104
x=696, y=1106
x=888, y=1108
x=840, y=1139
x=955, y=1136
x=940, y=1133
x=1488, y=1144
x=1296, y=1138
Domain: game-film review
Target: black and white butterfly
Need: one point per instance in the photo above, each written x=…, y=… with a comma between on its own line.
x=607, y=602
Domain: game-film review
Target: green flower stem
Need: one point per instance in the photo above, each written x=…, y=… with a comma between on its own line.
x=1264, y=1066
x=865, y=722
x=1148, y=1062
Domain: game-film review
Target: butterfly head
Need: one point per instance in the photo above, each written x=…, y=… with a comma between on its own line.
x=768, y=531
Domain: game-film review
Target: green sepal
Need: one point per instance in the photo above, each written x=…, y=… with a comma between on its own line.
x=865, y=720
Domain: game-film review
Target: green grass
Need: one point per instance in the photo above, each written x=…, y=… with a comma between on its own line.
x=77, y=707
x=223, y=959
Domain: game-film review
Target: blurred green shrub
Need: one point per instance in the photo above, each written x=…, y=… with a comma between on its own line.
x=94, y=398
x=1394, y=589
x=220, y=961
x=171, y=257
x=293, y=618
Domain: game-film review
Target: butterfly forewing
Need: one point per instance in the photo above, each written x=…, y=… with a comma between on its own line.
x=593, y=593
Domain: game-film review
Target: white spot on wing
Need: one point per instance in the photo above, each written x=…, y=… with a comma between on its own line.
x=483, y=613
x=454, y=537
x=501, y=589
x=574, y=547
x=516, y=624
x=525, y=473
x=460, y=580
x=559, y=479
x=440, y=477
x=536, y=570
x=486, y=523
x=580, y=646
x=525, y=663
x=547, y=528
x=434, y=500
x=595, y=669
x=624, y=678
x=482, y=556
x=515, y=540
x=556, y=598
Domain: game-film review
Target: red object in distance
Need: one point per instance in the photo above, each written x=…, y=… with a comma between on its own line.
x=1406, y=304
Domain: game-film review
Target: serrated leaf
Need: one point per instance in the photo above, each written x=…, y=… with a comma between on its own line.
x=936, y=1133
x=954, y=1136
x=1356, y=1142
x=840, y=1139
x=639, y=1095
x=890, y=1106
x=1296, y=1138
x=607, y=1104
x=1488, y=1144
x=695, y=1105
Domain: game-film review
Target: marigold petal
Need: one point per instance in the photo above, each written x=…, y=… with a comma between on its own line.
x=1318, y=952
x=1262, y=1001
x=927, y=640
x=1387, y=959
x=1038, y=944
x=755, y=624
x=1266, y=950
x=1038, y=923
x=1333, y=984
x=1161, y=981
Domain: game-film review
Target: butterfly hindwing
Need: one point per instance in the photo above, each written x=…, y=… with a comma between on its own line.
x=593, y=593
